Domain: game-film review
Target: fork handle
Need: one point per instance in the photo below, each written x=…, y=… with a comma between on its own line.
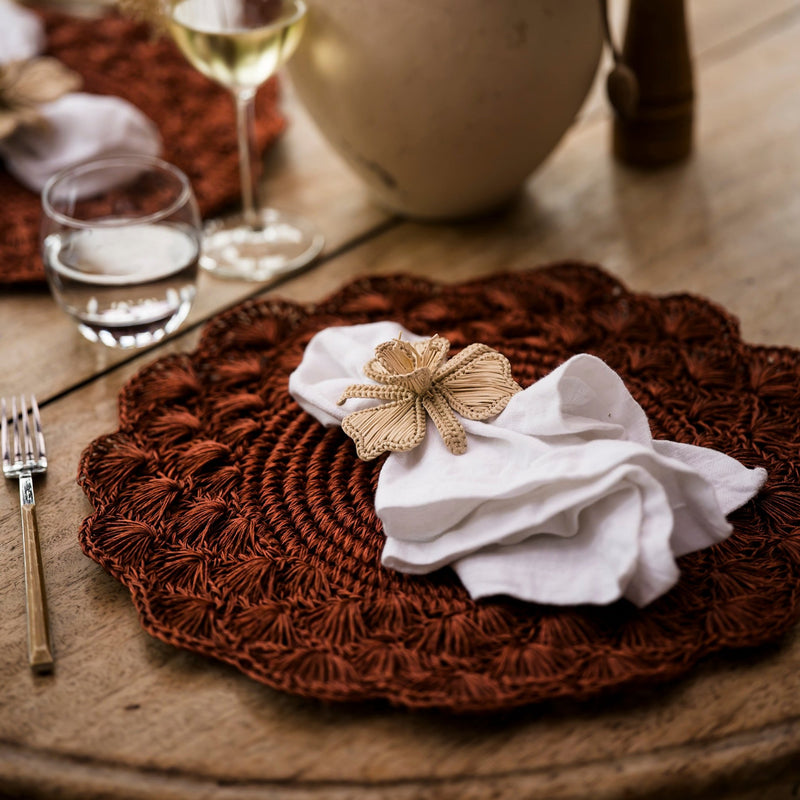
x=40, y=654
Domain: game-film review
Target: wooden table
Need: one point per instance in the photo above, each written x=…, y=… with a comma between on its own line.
x=126, y=716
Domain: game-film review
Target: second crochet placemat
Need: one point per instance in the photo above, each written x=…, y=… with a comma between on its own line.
x=246, y=531
x=196, y=119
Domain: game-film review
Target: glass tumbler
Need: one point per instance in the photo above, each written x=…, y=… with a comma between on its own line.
x=121, y=241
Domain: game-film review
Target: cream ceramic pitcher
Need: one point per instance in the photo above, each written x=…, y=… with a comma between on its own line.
x=445, y=107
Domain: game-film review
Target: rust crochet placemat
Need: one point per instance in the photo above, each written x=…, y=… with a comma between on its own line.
x=246, y=531
x=196, y=118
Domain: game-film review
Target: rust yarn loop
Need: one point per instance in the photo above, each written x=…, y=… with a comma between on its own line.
x=246, y=531
x=415, y=377
x=195, y=117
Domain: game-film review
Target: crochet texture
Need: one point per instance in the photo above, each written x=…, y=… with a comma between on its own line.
x=246, y=531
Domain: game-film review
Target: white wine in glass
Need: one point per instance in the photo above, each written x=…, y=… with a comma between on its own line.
x=240, y=44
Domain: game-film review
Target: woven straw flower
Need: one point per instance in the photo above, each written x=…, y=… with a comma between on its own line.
x=25, y=85
x=417, y=381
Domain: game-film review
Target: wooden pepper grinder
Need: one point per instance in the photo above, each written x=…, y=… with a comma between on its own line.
x=654, y=119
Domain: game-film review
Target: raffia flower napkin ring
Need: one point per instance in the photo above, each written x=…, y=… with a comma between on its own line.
x=417, y=381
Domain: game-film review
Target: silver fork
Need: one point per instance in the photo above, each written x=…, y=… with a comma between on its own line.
x=23, y=459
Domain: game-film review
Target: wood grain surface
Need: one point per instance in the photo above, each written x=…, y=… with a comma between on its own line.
x=126, y=716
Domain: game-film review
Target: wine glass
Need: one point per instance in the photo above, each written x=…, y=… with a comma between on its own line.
x=120, y=244
x=240, y=44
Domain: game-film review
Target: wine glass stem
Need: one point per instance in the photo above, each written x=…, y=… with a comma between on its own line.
x=245, y=127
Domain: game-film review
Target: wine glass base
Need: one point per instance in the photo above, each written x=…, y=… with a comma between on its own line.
x=279, y=245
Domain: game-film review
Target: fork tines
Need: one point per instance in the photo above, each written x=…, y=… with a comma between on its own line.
x=37, y=423
x=26, y=434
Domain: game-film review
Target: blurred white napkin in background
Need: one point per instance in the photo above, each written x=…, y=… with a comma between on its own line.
x=564, y=498
x=78, y=126
x=21, y=33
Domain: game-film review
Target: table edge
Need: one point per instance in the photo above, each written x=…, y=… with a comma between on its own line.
x=732, y=767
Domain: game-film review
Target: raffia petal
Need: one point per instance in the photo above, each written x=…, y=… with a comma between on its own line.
x=477, y=382
x=460, y=360
x=397, y=426
x=375, y=371
x=371, y=392
x=37, y=81
x=446, y=422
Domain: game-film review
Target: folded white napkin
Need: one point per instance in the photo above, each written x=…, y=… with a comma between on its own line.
x=78, y=126
x=563, y=498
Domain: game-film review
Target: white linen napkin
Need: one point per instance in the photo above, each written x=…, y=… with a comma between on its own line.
x=563, y=498
x=78, y=126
